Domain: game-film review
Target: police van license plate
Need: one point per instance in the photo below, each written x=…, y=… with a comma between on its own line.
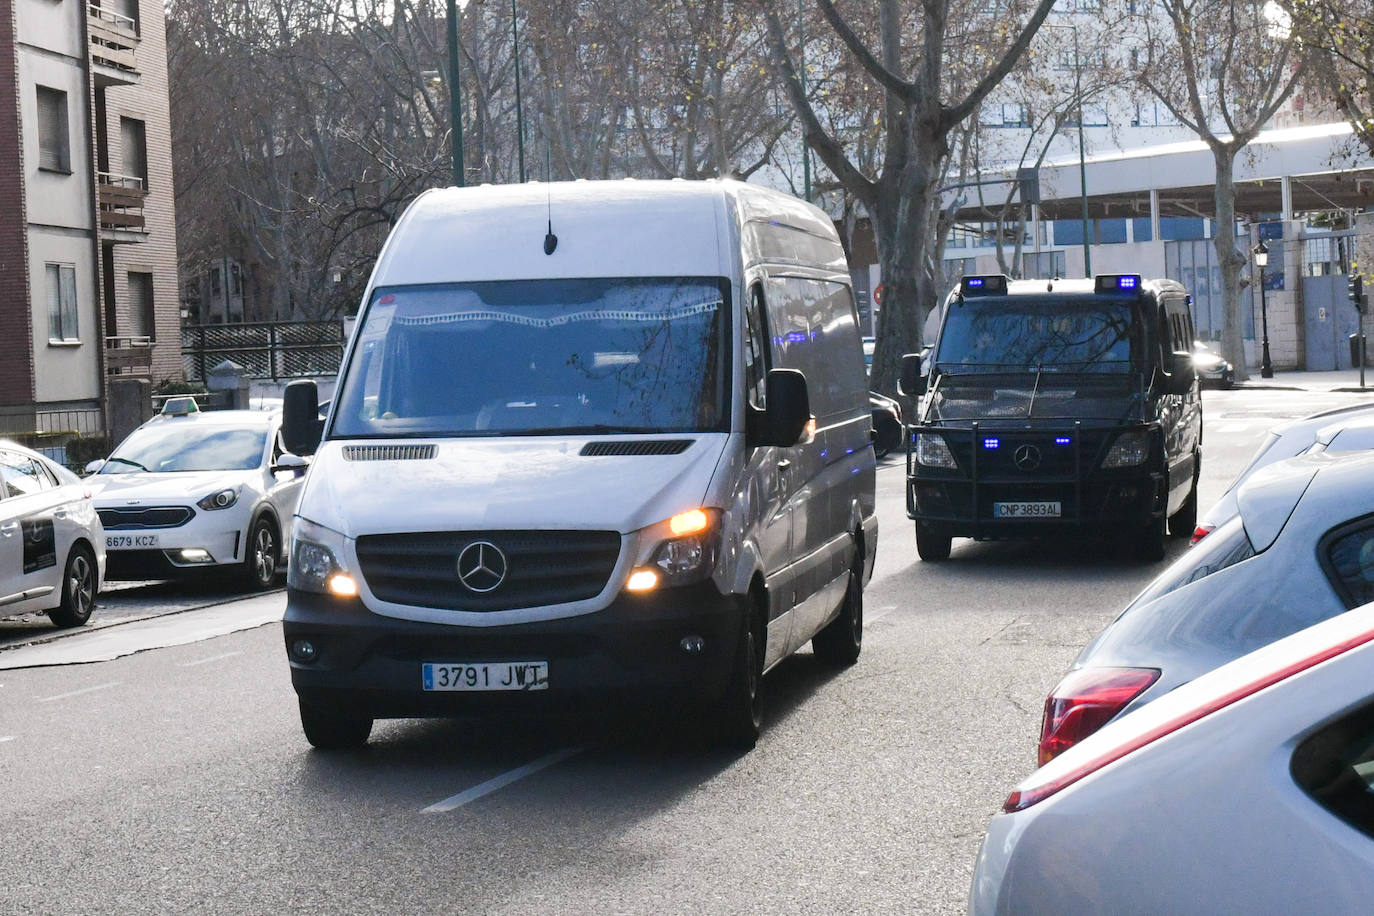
x=1042, y=509
x=486, y=676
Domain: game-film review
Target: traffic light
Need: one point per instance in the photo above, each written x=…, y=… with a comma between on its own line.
x=1356, y=290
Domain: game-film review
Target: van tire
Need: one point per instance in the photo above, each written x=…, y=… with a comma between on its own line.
x=930, y=545
x=1183, y=522
x=79, y=586
x=328, y=729
x=739, y=716
x=840, y=641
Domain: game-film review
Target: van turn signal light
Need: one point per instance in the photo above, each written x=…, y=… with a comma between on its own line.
x=690, y=522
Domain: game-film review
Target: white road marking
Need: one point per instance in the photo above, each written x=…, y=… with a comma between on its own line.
x=500, y=782
x=4, y=738
x=882, y=612
x=206, y=661
x=77, y=693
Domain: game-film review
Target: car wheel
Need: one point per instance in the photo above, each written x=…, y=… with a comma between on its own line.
x=78, y=589
x=1150, y=541
x=842, y=639
x=329, y=729
x=740, y=715
x=264, y=554
x=931, y=545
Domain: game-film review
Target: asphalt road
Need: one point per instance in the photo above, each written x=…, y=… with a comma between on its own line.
x=176, y=779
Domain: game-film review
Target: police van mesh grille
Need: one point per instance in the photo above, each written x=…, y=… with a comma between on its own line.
x=542, y=567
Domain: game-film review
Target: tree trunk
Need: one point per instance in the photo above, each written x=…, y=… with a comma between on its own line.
x=901, y=223
x=1230, y=260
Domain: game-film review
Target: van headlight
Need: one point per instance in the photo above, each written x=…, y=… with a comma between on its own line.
x=1129, y=450
x=933, y=451
x=678, y=551
x=317, y=561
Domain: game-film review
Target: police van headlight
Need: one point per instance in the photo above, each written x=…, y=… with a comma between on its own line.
x=678, y=551
x=317, y=561
x=1129, y=450
x=933, y=451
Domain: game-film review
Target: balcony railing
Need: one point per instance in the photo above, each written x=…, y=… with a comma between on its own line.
x=121, y=202
x=129, y=355
x=114, y=38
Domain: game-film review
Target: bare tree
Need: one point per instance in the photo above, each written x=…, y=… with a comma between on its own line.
x=1223, y=68
x=902, y=197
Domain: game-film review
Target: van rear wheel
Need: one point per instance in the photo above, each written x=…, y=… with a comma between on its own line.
x=841, y=640
x=931, y=545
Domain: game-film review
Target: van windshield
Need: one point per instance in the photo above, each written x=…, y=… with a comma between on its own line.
x=540, y=357
x=1041, y=332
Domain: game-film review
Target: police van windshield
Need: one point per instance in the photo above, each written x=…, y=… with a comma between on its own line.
x=540, y=357
x=1046, y=333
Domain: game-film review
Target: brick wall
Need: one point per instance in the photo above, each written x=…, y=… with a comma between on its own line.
x=16, y=318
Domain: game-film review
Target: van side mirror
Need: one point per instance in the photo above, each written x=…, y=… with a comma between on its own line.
x=913, y=382
x=789, y=409
x=93, y=467
x=1180, y=372
x=301, y=426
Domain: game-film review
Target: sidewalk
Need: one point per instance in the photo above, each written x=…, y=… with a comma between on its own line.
x=1347, y=380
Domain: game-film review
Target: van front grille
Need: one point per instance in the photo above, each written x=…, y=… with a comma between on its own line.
x=388, y=452
x=643, y=447
x=540, y=567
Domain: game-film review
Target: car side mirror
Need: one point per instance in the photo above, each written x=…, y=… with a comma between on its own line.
x=1181, y=373
x=93, y=467
x=290, y=462
x=301, y=426
x=785, y=420
x=913, y=381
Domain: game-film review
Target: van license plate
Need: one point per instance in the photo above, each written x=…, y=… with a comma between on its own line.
x=1026, y=510
x=486, y=676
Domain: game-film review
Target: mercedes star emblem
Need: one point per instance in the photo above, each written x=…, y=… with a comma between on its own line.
x=1027, y=457
x=481, y=567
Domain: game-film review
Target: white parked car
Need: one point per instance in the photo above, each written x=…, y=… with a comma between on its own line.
x=1247, y=790
x=191, y=492
x=52, y=547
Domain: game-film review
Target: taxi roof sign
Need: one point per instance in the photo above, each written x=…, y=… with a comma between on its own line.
x=988, y=285
x=180, y=407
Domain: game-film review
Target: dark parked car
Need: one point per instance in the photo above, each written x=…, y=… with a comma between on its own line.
x=1212, y=368
x=887, y=423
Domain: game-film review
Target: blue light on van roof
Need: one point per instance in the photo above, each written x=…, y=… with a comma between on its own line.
x=1128, y=282
x=1062, y=440
x=975, y=282
x=991, y=442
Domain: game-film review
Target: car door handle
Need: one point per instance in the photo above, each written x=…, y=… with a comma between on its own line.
x=784, y=464
x=9, y=529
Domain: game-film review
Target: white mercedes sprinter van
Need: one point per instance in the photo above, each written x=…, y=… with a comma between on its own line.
x=591, y=441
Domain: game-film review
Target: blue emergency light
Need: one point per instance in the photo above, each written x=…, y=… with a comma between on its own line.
x=990, y=285
x=1118, y=283
x=991, y=443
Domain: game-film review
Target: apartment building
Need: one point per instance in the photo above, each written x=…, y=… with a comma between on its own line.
x=88, y=264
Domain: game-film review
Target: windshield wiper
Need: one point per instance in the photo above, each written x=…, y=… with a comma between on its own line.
x=128, y=462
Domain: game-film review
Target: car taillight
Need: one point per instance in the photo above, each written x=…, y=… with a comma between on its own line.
x=1201, y=531
x=1086, y=700
x=1181, y=708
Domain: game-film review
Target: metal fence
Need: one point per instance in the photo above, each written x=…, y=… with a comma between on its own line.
x=268, y=350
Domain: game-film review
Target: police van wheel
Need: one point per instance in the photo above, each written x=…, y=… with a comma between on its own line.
x=931, y=546
x=842, y=639
x=330, y=730
x=1151, y=541
x=739, y=717
x=1183, y=522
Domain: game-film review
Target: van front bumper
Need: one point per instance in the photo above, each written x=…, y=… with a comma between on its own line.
x=630, y=651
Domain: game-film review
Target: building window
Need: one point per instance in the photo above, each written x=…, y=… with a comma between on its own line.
x=54, y=147
x=62, y=303
x=141, y=320
x=216, y=283
x=134, y=150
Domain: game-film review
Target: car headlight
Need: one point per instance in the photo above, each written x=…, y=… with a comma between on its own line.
x=220, y=499
x=933, y=451
x=1129, y=450
x=317, y=561
x=678, y=551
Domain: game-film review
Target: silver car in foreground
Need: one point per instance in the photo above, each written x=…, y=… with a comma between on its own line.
x=1301, y=550
x=1248, y=790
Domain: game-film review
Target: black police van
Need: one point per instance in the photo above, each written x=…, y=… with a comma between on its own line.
x=1054, y=404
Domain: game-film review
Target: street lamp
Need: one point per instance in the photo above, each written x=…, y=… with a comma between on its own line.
x=455, y=94
x=519, y=113
x=1261, y=254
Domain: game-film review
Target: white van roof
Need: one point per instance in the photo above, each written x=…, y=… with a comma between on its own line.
x=604, y=229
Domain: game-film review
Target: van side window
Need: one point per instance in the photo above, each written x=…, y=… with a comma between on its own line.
x=755, y=351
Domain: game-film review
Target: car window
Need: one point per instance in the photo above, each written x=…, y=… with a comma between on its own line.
x=23, y=475
x=1225, y=547
x=1347, y=558
x=1335, y=766
x=161, y=447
